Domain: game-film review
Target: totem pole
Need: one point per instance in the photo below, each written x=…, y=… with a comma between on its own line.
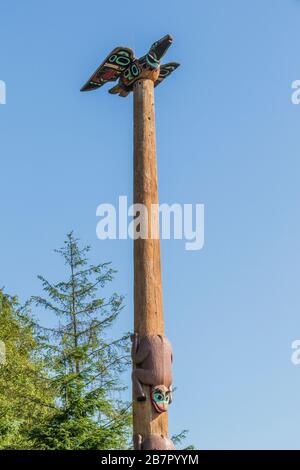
x=151, y=351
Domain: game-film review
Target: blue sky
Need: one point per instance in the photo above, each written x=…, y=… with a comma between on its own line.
x=227, y=137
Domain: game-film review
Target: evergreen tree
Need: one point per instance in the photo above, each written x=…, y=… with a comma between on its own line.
x=25, y=397
x=84, y=364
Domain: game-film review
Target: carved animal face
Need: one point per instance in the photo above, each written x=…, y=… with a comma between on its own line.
x=160, y=398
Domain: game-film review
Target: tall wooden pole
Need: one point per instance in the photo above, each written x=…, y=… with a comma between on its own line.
x=148, y=306
x=152, y=354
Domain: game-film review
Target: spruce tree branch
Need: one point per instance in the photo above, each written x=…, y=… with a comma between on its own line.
x=117, y=418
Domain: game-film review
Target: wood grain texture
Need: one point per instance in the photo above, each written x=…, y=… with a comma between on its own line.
x=148, y=306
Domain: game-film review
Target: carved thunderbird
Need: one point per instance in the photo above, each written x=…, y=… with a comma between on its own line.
x=121, y=64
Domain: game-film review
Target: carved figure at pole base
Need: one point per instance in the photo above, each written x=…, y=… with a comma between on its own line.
x=152, y=442
x=152, y=357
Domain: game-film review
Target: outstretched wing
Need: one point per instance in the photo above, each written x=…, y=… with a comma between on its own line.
x=165, y=71
x=110, y=70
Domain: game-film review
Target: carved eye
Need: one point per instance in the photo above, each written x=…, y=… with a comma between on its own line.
x=159, y=397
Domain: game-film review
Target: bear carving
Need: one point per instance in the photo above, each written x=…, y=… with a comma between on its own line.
x=152, y=357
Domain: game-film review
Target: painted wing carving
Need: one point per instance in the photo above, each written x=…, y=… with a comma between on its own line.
x=165, y=71
x=110, y=70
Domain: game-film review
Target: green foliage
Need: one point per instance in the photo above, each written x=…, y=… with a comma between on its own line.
x=24, y=393
x=83, y=362
x=60, y=387
x=179, y=438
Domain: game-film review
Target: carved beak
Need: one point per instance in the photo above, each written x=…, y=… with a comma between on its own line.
x=160, y=47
